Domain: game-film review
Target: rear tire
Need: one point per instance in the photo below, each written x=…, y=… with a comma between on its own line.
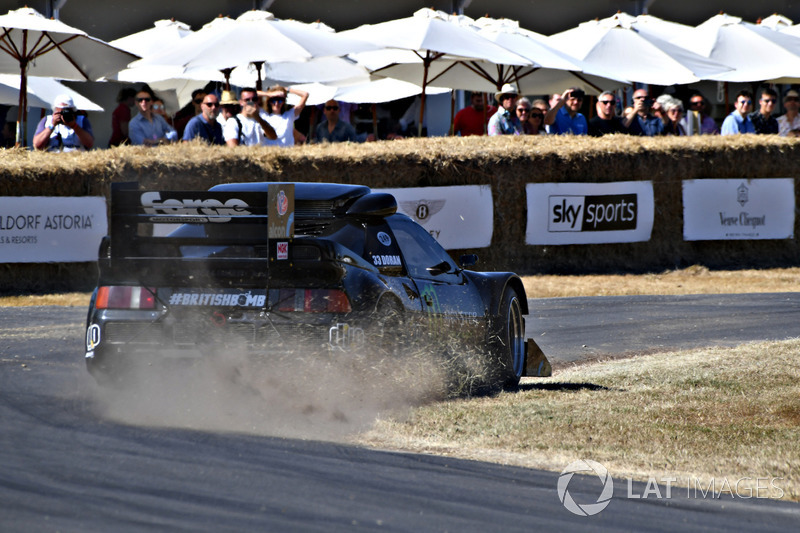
x=508, y=342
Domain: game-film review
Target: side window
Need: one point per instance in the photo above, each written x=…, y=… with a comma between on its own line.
x=381, y=249
x=421, y=251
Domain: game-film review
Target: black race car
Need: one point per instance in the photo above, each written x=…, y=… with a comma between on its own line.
x=271, y=265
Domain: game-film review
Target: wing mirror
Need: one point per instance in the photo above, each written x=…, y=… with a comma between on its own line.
x=441, y=268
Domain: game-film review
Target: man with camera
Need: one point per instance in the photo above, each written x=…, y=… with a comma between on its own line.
x=65, y=130
x=249, y=127
x=640, y=120
x=564, y=118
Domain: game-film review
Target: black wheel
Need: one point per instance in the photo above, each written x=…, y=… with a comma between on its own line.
x=508, y=342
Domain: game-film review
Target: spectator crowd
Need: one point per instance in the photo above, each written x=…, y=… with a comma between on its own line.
x=263, y=118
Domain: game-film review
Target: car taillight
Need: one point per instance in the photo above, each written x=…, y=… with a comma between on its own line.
x=120, y=297
x=313, y=301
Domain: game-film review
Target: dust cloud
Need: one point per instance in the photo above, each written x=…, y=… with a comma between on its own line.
x=299, y=394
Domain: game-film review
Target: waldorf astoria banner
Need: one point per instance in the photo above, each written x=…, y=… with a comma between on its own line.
x=39, y=229
x=737, y=209
x=589, y=213
x=458, y=217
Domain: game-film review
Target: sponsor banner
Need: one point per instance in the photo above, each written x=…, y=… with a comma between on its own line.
x=44, y=229
x=458, y=217
x=216, y=298
x=589, y=213
x=736, y=209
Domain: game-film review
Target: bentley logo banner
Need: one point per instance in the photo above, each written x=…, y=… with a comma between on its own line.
x=458, y=217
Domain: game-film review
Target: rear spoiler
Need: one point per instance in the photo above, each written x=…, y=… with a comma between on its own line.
x=141, y=220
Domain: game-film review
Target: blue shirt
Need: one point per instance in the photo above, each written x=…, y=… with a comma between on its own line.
x=565, y=124
x=199, y=127
x=736, y=123
x=650, y=126
x=342, y=132
x=503, y=123
x=140, y=129
x=63, y=138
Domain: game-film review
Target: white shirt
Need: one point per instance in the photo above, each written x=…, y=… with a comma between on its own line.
x=252, y=133
x=784, y=126
x=284, y=128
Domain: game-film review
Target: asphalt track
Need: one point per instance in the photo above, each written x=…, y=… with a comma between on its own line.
x=64, y=468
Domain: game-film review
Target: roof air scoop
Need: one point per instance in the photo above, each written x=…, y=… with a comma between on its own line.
x=376, y=204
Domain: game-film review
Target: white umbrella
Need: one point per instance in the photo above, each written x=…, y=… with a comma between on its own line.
x=652, y=26
x=757, y=52
x=164, y=34
x=612, y=45
x=776, y=22
x=321, y=69
x=172, y=82
x=254, y=37
x=41, y=93
x=364, y=92
x=32, y=45
x=549, y=70
x=431, y=36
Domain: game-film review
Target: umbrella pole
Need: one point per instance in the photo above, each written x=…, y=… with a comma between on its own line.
x=375, y=121
x=258, y=65
x=426, y=63
x=452, y=111
x=22, y=115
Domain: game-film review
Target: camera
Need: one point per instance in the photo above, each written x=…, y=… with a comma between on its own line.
x=67, y=115
x=648, y=102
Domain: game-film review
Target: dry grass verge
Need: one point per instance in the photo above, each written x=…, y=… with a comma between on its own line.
x=710, y=414
x=692, y=280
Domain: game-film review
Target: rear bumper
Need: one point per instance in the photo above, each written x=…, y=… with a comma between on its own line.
x=190, y=335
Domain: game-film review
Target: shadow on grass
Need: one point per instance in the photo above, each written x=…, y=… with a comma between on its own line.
x=568, y=387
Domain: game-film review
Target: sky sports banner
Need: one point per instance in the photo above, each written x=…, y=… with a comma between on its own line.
x=589, y=213
x=458, y=217
x=737, y=209
x=63, y=229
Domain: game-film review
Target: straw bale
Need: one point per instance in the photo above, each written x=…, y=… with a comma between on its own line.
x=505, y=163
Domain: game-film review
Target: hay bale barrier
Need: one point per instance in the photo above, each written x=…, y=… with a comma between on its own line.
x=507, y=164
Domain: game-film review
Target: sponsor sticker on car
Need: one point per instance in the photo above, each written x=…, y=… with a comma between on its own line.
x=214, y=298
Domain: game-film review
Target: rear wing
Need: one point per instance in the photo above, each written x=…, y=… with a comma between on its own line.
x=152, y=224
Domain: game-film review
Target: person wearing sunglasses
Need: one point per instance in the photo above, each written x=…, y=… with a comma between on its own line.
x=505, y=121
x=523, y=112
x=697, y=121
x=789, y=124
x=249, y=127
x=65, y=130
x=763, y=120
x=205, y=125
x=607, y=121
x=281, y=119
x=565, y=118
x=149, y=128
x=639, y=119
x=335, y=130
x=739, y=119
x=673, y=112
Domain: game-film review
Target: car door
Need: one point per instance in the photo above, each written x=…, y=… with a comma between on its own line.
x=450, y=301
